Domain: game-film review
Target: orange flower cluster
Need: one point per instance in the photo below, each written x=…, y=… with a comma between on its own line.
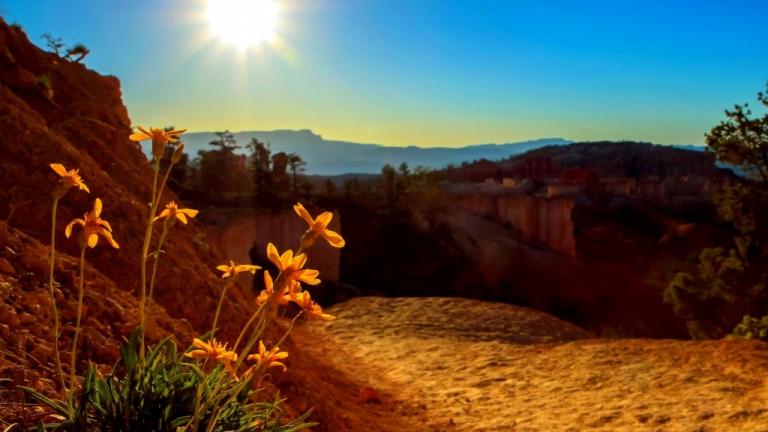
x=214, y=351
x=291, y=267
x=218, y=352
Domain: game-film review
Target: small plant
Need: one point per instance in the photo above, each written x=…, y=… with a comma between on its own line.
x=752, y=328
x=45, y=83
x=76, y=53
x=54, y=44
x=208, y=387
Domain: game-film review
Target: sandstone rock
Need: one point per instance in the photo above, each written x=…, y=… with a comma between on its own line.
x=479, y=366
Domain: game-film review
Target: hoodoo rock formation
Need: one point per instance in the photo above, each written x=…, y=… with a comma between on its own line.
x=538, y=219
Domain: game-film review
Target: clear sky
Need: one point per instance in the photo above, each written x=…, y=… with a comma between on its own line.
x=427, y=72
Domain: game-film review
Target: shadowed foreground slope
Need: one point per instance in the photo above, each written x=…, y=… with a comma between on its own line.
x=453, y=364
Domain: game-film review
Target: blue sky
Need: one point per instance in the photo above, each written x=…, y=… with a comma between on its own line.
x=428, y=72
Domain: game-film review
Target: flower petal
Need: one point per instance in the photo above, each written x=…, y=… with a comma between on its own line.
x=59, y=169
x=324, y=218
x=181, y=217
x=273, y=255
x=163, y=214
x=309, y=276
x=108, y=235
x=333, y=238
x=68, y=228
x=303, y=213
x=189, y=212
x=105, y=224
x=269, y=284
x=93, y=239
x=245, y=267
x=96, y=208
x=138, y=136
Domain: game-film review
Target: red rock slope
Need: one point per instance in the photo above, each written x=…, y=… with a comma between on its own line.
x=85, y=125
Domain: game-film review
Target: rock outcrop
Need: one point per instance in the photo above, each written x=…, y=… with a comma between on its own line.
x=439, y=364
x=537, y=219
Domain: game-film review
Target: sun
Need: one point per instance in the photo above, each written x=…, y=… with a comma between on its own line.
x=243, y=23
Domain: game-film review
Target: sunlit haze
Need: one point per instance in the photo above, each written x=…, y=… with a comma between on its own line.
x=426, y=73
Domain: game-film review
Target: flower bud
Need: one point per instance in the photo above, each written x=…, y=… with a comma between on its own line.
x=176, y=157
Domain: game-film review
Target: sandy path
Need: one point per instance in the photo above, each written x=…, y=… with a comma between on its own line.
x=477, y=366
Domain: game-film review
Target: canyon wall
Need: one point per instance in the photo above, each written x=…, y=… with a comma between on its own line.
x=540, y=220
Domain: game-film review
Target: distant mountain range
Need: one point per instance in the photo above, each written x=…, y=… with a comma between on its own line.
x=329, y=157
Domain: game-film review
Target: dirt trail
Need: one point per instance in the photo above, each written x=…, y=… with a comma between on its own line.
x=448, y=364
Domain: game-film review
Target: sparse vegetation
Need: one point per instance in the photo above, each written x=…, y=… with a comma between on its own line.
x=211, y=386
x=730, y=282
x=76, y=53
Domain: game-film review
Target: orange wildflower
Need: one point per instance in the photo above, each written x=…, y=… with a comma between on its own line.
x=93, y=227
x=159, y=137
x=214, y=351
x=314, y=310
x=233, y=269
x=69, y=178
x=269, y=289
x=292, y=268
x=319, y=226
x=271, y=358
x=173, y=212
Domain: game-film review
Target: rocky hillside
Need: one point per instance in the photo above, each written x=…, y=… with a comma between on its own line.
x=53, y=110
x=462, y=365
x=111, y=313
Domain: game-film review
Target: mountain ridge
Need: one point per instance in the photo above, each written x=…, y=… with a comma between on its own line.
x=334, y=157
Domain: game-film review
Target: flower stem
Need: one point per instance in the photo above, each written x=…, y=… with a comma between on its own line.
x=144, y=251
x=247, y=326
x=54, y=309
x=157, y=259
x=73, y=358
x=218, y=308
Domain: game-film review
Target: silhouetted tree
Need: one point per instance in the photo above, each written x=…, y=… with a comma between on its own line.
x=731, y=281
x=260, y=165
x=389, y=178
x=296, y=165
x=223, y=174
x=226, y=141
x=54, y=44
x=330, y=188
